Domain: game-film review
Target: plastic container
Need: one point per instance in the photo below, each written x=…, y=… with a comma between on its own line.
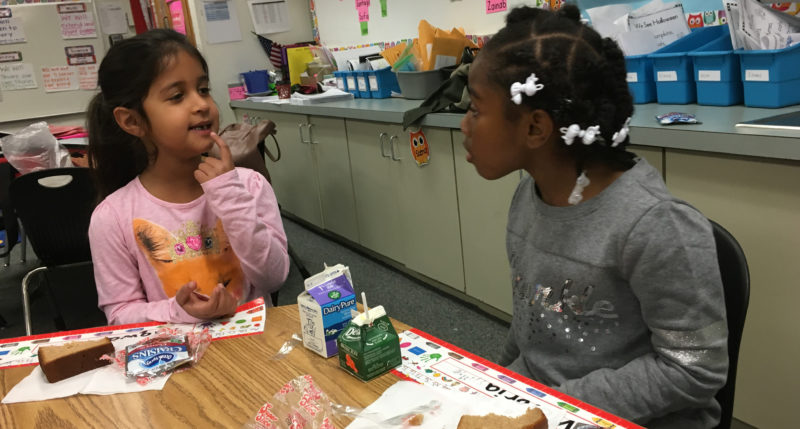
x=382, y=82
x=419, y=85
x=341, y=80
x=716, y=73
x=362, y=80
x=640, y=78
x=673, y=69
x=350, y=82
x=771, y=77
x=256, y=82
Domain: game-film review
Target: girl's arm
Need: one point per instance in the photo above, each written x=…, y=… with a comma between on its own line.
x=120, y=292
x=671, y=263
x=245, y=203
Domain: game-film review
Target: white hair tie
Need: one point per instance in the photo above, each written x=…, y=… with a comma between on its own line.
x=529, y=88
x=588, y=136
x=622, y=134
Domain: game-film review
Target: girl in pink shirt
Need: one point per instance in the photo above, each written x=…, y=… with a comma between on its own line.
x=177, y=237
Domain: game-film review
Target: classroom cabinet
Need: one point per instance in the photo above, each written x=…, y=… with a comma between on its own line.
x=406, y=212
x=312, y=178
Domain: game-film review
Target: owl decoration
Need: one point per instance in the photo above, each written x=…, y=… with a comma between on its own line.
x=709, y=18
x=722, y=16
x=695, y=20
x=419, y=147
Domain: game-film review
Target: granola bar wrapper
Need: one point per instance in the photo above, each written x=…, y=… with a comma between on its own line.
x=300, y=404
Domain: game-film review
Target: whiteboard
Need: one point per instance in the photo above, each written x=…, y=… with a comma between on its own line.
x=45, y=47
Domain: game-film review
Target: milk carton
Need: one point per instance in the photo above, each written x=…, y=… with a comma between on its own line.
x=325, y=308
x=369, y=345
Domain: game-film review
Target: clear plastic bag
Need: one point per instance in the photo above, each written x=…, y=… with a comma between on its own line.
x=34, y=148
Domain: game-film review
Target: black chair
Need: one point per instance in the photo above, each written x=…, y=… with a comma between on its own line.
x=736, y=283
x=55, y=207
x=8, y=220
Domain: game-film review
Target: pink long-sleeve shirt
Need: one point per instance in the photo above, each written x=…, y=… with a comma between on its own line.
x=144, y=249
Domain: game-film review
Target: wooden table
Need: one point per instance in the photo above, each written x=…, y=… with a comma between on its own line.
x=233, y=380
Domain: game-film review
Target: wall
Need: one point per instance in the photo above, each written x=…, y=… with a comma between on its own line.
x=227, y=60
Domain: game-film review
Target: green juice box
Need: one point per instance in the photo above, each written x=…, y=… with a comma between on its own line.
x=369, y=347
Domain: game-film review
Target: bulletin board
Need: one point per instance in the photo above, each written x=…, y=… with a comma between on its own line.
x=49, y=59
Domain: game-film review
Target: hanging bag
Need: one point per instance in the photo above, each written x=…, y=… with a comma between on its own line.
x=248, y=145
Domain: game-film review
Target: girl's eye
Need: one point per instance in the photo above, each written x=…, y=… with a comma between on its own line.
x=473, y=110
x=176, y=97
x=205, y=91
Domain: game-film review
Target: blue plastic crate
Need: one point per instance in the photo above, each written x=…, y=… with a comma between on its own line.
x=771, y=77
x=362, y=80
x=341, y=79
x=350, y=83
x=382, y=82
x=640, y=78
x=672, y=67
x=716, y=72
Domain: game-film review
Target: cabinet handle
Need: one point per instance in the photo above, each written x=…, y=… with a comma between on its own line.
x=391, y=145
x=381, y=140
x=310, y=137
x=300, y=130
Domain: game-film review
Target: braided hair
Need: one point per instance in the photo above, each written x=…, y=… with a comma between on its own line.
x=583, y=77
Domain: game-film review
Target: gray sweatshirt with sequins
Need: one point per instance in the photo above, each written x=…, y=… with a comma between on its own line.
x=618, y=301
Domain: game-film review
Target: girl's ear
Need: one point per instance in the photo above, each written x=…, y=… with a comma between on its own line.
x=540, y=128
x=130, y=121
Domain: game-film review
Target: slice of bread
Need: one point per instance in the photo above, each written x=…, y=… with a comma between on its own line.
x=532, y=419
x=64, y=361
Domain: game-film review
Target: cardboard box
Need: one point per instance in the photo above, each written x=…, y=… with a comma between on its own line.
x=325, y=308
x=369, y=347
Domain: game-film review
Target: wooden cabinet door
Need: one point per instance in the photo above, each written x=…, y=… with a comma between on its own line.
x=374, y=183
x=484, y=214
x=430, y=207
x=329, y=141
x=294, y=176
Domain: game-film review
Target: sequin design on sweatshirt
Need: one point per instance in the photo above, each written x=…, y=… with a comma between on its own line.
x=565, y=312
x=192, y=253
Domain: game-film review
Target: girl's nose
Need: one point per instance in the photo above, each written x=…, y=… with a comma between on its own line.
x=201, y=102
x=464, y=125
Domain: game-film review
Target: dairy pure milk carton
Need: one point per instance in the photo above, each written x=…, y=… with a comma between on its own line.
x=325, y=308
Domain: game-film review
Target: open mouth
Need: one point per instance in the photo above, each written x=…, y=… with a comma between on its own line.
x=202, y=127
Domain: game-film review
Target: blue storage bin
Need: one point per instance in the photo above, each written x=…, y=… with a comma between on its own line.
x=341, y=80
x=382, y=82
x=716, y=72
x=350, y=82
x=362, y=80
x=672, y=67
x=771, y=77
x=640, y=78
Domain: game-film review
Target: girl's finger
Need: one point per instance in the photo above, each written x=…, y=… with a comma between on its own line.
x=224, y=151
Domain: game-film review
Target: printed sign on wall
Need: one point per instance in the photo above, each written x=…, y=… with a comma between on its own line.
x=87, y=76
x=11, y=31
x=60, y=78
x=76, y=21
x=15, y=76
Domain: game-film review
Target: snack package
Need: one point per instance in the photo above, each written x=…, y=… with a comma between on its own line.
x=676, y=118
x=169, y=350
x=300, y=404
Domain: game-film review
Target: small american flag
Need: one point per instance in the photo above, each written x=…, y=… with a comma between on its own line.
x=273, y=50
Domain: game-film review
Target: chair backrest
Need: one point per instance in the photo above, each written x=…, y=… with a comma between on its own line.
x=9, y=218
x=736, y=283
x=55, y=207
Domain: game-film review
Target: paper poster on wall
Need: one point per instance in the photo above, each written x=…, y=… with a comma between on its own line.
x=494, y=6
x=222, y=23
x=10, y=57
x=87, y=76
x=11, y=31
x=15, y=76
x=362, y=7
x=112, y=17
x=77, y=55
x=269, y=16
x=383, y=8
x=77, y=22
x=60, y=78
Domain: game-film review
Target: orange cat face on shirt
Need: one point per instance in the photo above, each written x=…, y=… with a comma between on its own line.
x=203, y=256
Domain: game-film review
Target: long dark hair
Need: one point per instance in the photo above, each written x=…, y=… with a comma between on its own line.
x=124, y=78
x=583, y=74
